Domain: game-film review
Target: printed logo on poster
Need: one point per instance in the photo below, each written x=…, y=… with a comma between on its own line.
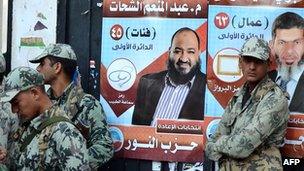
x=211, y=128
x=121, y=74
x=117, y=137
x=226, y=65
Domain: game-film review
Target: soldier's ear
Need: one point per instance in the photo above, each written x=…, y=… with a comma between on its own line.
x=35, y=93
x=58, y=67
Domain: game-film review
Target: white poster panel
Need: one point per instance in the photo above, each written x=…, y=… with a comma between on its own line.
x=34, y=27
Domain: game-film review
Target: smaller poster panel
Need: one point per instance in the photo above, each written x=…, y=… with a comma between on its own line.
x=34, y=27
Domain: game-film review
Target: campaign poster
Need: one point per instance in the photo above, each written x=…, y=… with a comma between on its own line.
x=136, y=36
x=229, y=25
x=34, y=27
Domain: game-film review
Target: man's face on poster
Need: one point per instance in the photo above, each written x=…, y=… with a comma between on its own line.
x=184, y=52
x=288, y=48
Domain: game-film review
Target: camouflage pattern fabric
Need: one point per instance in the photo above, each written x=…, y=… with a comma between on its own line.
x=8, y=125
x=257, y=48
x=65, y=147
x=58, y=50
x=2, y=63
x=86, y=112
x=248, y=138
x=20, y=79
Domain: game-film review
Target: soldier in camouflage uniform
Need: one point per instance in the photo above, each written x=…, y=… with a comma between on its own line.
x=57, y=145
x=254, y=123
x=58, y=64
x=8, y=121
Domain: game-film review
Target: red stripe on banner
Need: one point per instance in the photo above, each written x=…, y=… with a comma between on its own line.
x=273, y=3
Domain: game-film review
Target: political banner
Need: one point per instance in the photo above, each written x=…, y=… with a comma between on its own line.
x=136, y=37
x=229, y=25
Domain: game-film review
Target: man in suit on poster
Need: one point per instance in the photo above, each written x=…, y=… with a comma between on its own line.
x=178, y=92
x=287, y=45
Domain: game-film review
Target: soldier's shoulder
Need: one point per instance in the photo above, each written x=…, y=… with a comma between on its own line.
x=88, y=100
x=272, y=92
x=278, y=92
x=271, y=87
x=5, y=108
x=63, y=127
x=57, y=110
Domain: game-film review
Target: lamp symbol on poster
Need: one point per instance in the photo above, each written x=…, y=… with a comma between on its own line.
x=121, y=74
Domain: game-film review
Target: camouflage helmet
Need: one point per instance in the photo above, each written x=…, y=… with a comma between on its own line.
x=20, y=79
x=58, y=50
x=2, y=63
x=257, y=48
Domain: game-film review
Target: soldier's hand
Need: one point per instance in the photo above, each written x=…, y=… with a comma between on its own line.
x=211, y=152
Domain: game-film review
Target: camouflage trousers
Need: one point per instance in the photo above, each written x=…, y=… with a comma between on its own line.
x=266, y=160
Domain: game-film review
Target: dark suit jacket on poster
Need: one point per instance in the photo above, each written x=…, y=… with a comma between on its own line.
x=150, y=89
x=296, y=105
x=297, y=101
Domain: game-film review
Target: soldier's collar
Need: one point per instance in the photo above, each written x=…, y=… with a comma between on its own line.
x=262, y=85
x=68, y=89
x=64, y=95
x=35, y=123
x=262, y=88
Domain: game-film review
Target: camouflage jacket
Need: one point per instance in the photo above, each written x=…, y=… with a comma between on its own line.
x=63, y=146
x=249, y=137
x=8, y=126
x=86, y=112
